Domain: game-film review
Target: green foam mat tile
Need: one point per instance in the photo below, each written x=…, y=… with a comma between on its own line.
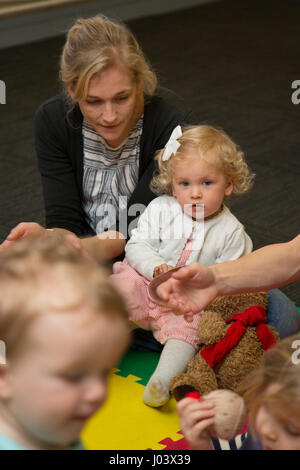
x=138, y=363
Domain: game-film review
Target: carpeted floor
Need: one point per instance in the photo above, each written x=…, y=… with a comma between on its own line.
x=233, y=61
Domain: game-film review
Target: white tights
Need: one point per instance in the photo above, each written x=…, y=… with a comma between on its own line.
x=173, y=360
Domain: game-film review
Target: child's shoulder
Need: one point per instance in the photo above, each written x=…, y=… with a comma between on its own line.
x=225, y=223
x=164, y=201
x=227, y=217
x=8, y=444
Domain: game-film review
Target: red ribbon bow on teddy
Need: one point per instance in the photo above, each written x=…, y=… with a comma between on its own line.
x=252, y=316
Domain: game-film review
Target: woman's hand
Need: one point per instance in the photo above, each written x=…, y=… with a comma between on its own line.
x=75, y=242
x=32, y=229
x=162, y=268
x=195, y=417
x=22, y=231
x=104, y=246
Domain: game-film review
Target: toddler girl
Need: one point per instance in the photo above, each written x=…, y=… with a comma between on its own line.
x=272, y=395
x=188, y=222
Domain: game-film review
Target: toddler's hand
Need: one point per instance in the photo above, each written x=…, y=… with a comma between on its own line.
x=162, y=268
x=195, y=417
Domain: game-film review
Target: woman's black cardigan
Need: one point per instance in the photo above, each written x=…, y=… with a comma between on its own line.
x=59, y=148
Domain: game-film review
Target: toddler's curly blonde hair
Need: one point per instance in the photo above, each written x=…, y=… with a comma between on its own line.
x=204, y=138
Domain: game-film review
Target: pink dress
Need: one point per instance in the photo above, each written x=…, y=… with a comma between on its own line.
x=147, y=314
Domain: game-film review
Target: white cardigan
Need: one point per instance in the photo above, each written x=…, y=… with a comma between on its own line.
x=163, y=230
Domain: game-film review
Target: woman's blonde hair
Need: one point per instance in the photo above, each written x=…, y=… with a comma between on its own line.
x=280, y=366
x=202, y=139
x=93, y=45
x=42, y=275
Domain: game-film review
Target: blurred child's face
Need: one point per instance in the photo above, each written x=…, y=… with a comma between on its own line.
x=197, y=182
x=277, y=427
x=61, y=379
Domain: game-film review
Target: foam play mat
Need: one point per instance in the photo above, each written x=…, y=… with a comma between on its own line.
x=126, y=423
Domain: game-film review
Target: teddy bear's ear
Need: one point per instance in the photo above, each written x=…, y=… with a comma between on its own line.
x=211, y=327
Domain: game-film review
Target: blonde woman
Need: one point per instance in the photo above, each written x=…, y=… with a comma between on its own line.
x=95, y=142
x=198, y=169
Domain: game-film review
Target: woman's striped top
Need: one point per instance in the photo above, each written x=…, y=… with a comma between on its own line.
x=109, y=176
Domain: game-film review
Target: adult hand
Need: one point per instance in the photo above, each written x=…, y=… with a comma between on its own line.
x=162, y=268
x=195, y=417
x=22, y=231
x=105, y=246
x=75, y=242
x=190, y=289
x=32, y=229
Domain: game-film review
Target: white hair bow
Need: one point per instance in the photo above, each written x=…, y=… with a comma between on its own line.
x=172, y=144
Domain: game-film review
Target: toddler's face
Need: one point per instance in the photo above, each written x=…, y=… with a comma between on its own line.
x=277, y=427
x=196, y=182
x=61, y=379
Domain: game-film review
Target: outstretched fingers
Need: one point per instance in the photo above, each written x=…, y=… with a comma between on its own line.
x=17, y=232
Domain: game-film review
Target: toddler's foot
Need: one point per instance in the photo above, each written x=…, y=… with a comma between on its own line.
x=156, y=393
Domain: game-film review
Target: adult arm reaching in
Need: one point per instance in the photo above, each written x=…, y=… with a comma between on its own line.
x=106, y=245
x=192, y=288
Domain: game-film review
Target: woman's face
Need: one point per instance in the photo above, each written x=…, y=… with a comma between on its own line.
x=114, y=104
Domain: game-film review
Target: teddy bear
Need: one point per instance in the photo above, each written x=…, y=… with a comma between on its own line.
x=233, y=336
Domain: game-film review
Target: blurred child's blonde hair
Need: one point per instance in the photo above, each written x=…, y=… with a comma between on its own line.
x=279, y=366
x=202, y=139
x=44, y=275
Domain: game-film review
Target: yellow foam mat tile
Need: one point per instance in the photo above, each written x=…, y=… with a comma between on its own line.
x=126, y=423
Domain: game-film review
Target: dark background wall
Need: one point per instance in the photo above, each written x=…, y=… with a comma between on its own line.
x=30, y=20
x=233, y=61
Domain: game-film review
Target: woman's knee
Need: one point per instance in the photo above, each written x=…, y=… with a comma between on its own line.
x=282, y=313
